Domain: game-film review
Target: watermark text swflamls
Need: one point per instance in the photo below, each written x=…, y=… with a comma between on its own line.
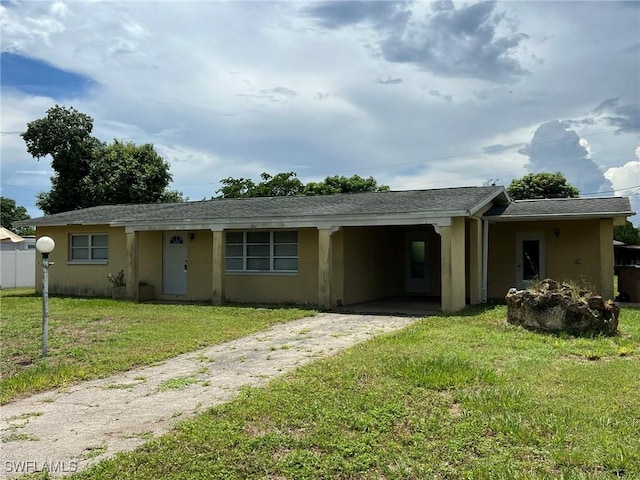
x=32, y=466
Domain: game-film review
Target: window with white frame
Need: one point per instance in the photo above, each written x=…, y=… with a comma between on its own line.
x=262, y=251
x=93, y=247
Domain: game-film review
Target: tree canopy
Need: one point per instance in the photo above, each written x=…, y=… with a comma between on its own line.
x=127, y=173
x=542, y=185
x=10, y=213
x=89, y=172
x=627, y=234
x=288, y=184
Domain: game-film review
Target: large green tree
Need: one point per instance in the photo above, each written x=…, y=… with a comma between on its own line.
x=542, y=185
x=288, y=183
x=65, y=135
x=10, y=213
x=127, y=173
x=341, y=184
x=89, y=172
x=627, y=234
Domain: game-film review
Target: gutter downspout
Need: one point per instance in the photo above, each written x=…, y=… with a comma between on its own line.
x=485, y=258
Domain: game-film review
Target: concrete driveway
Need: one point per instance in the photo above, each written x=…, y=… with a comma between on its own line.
x=66, y=430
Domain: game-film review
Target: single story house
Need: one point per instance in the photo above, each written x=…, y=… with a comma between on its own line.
x=460, y=245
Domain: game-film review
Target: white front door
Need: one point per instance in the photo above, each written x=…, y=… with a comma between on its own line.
x=530, y=258
x=174, y=271
x=417, y=268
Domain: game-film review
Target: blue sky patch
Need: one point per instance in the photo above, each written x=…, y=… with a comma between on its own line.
x=35, y=77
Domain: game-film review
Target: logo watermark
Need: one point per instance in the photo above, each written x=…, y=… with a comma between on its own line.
x=31, y=466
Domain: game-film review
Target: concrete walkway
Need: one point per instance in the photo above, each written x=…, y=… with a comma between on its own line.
x=65, y=431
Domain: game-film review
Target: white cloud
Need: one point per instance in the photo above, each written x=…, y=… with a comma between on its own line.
x=626, y=182
x=555, y=148
x=626, y=179
x=236, y=88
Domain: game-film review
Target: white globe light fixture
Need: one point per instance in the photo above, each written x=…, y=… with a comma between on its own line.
x=45, y=246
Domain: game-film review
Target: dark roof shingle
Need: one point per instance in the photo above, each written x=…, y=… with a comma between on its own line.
x=561, y=207
x=460, y=201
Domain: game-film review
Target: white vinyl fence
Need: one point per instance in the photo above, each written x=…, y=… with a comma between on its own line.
x=18, y=269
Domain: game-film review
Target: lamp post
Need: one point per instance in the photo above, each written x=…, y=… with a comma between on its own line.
x=45, y=246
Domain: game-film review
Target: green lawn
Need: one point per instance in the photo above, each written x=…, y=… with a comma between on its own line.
x=94, y=337
x=450, y=398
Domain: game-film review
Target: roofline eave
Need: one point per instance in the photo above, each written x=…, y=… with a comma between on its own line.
x=557, y=216
x=443, y=219
x=67, y=224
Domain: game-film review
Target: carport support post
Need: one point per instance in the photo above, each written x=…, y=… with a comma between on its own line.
x=475, y=261
x=453, y=270
x=324, y=267
x=606, y=258
x=217, y=281
x=132, y=265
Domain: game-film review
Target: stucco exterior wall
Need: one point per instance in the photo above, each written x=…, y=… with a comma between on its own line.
x=337, y=268
x=435, y=263
x=150, y=260
x=83, y=279
x=373, y=263
x=453, y=265
x=577, y=253
x=200, y=262
x=300, y=288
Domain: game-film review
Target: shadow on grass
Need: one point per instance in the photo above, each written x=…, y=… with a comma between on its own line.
x=479, y=309
x=27, y=293
x=19, y=293
x=13, y=292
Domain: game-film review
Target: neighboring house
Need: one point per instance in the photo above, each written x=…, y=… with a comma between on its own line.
x=27, y=243
x=460, y=245
x=17, y=256
x=627, y=260
x=9, y=240
x=626, y=254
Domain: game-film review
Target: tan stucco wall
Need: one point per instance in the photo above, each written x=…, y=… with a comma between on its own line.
x=373, y=263
x=607, y=259
x=90, y=279
x=200, y=261
x=367, y=263
x=453, y=261
x=580, y=253
x=473, y=256
x=300, y=288
x=150, y=260
x=435, y=263
x=337, y=269
x=241, y=288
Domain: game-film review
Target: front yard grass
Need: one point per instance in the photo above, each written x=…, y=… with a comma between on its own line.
x=454, y=397
x=464, y=396
x=93, y=337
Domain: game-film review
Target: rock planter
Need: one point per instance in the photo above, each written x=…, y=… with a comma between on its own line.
x=119, y=292
x=557, y=307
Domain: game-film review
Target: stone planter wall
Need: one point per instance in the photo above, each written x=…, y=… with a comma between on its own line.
x=119, y=292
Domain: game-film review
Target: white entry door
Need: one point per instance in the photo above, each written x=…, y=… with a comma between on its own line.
x=174, y=272
x=417, y=268
x=530, y=258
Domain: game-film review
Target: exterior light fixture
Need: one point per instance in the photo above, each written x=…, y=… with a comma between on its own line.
x=45, y=246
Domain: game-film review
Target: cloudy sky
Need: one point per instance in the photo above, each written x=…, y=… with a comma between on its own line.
x=416, y=94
